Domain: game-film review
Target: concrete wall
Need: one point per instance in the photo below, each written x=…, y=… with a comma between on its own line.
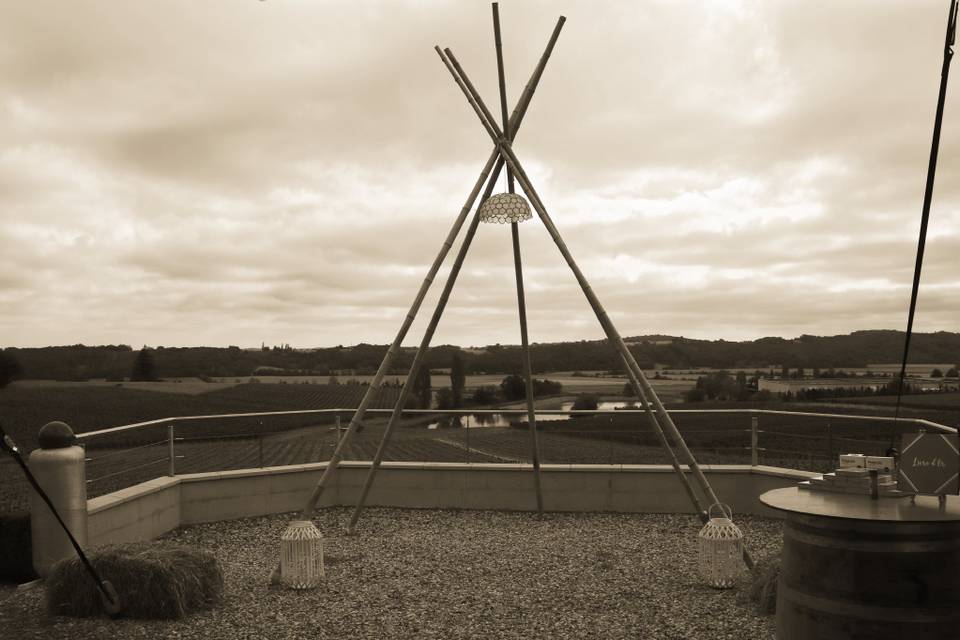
x=141, y=512
x=147, y=510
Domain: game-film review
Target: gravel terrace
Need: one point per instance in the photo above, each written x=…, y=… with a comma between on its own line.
x=451, y=574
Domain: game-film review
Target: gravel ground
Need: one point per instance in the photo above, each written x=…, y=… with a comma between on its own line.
x=451, y=574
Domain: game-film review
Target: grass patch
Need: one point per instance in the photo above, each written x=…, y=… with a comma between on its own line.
x=151, y=581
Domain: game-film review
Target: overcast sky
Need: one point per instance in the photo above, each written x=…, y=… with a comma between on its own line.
x=238, y=172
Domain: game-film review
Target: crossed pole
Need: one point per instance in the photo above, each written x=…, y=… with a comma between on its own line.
x=641, y=385
x=513, y=124
x=503, y=155
x=492, y=171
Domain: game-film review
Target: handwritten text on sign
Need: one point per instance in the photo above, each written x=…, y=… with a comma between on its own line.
x=929, y=464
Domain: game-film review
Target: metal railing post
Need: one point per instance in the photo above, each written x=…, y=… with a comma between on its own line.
x=754, y=433
x=830, y=454
x=336, y=425
x=172, y=451
x=260, y=448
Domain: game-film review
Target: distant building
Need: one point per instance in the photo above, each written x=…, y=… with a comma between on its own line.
x=921, y=370
x=784, y=385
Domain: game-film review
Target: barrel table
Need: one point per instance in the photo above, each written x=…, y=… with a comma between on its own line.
x=853, y=567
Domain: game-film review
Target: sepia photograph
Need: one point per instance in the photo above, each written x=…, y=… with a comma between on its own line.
x=532, y=319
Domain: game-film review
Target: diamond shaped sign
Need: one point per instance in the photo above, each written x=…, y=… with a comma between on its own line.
x=929, y=464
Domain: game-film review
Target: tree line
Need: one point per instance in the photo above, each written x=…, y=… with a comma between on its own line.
x=856, y=350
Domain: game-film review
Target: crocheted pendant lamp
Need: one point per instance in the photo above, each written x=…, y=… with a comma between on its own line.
x=505, y=208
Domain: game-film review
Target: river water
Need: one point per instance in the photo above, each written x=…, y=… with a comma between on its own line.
x=484, y=420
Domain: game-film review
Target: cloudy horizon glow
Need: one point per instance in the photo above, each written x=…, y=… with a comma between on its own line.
x=238, y=172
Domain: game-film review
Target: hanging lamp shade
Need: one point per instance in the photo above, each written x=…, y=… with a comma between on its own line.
x=505, y=208
x=720, y=549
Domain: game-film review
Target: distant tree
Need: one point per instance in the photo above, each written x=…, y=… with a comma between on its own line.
x=741, y=379
x=458, y=379
x=513, y=387
x=144, y=369
x=333, y=380
x=953, y=373
x=936, y=373
x=764, y=396
x=628, y=390
x=785, y=372
x=585, y=402
x=10, y=368
x=445, y=398
x=718, y=386
x=546, y=387
x=422, y=393
x=694, y=395
x=485, y=395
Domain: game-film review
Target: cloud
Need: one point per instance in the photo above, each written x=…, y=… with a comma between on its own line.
x=238, y=172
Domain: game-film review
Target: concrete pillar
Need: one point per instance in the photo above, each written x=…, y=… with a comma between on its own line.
x=59, y=468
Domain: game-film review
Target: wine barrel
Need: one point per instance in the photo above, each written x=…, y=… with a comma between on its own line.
x=884, y=569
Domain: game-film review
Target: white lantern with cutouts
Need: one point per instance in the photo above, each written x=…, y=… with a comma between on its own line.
x=720, y=549
x=301, y=555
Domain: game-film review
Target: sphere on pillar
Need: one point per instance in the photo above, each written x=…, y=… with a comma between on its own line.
x=59, y=468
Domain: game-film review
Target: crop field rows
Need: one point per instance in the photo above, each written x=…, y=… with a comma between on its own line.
x=111, y=469
x=24, y=409
x=120, y=460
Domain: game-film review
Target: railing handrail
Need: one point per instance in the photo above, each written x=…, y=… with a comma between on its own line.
x=519, y=412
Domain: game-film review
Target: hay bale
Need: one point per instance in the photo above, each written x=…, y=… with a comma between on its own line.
x=152, y=581
x=16, y=548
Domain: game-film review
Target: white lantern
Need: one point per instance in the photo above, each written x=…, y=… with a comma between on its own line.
x=721, y=549
x=301, y=555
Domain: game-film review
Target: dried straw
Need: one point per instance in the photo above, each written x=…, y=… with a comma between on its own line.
x=152, y=581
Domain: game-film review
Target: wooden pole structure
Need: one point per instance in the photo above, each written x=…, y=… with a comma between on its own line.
x=657, y=429
x=518, y=268
x=515, y=120
x=394, y=349
x=613, y=335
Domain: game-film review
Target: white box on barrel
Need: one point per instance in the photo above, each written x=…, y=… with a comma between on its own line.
x=853, y=461
x=883, y=464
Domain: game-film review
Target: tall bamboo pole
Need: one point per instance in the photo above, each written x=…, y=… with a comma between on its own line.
x=613, y=335
x=658, y=430
x=394, y=349
x=518, y=269
x=515, y=120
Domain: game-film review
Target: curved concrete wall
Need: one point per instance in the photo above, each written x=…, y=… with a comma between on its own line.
x=147, y=510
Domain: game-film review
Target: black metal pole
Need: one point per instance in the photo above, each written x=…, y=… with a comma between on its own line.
x=107, y=593
x=949, y=40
